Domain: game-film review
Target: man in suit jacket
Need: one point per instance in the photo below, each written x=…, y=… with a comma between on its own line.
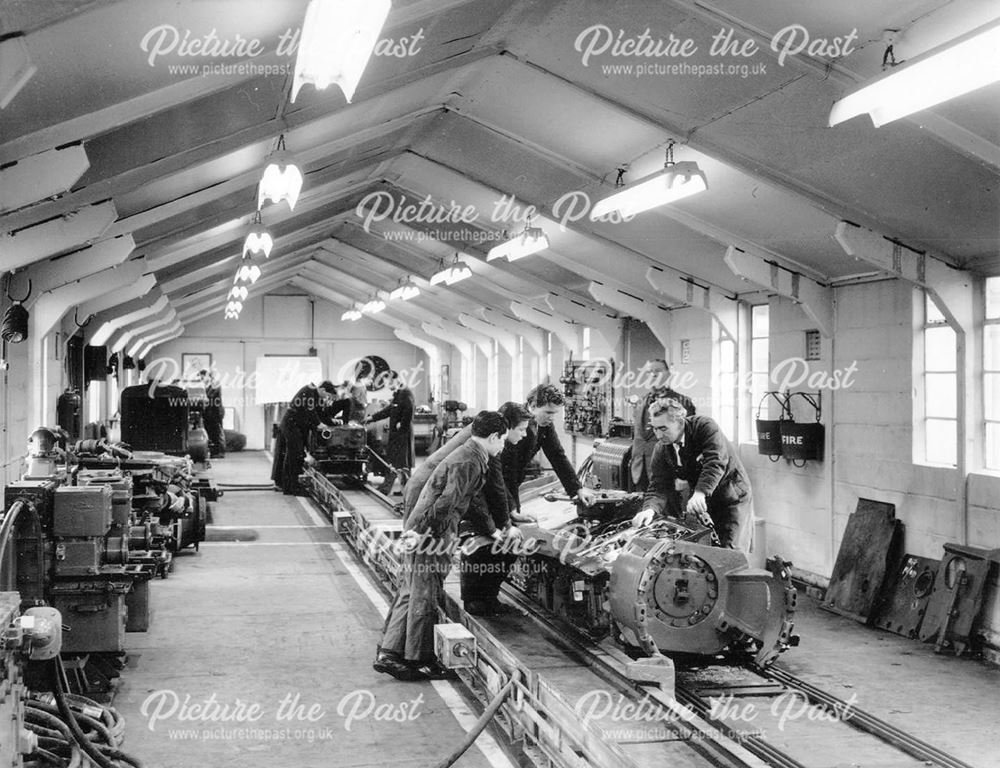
x=693, y=450
x=399, y=451
x=643, y=439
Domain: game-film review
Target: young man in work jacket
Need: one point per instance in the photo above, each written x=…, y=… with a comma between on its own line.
x=407, y=648
x=544, y=403
x=486, y=526
x=692, y=452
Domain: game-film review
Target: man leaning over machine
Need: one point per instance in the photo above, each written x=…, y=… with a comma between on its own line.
x=692, y=453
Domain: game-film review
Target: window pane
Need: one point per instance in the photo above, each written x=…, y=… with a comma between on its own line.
x=941, y=395
x=727, y=383
x=991, y=395
x=991, y=347
x=992, y=445
x=941, y=441
x=759, y=321
x=993, y=297
x=933, y=313
x=758, y=355
x=727, y=355
x=939, y=349
x=727, y=418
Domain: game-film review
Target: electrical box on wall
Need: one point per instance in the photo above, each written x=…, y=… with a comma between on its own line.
x=588, y=387
x=685, y=351
x=813, y=350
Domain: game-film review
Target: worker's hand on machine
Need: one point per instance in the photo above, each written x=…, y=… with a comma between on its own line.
x=407, y=542
x=643, y=517
x=523, y=517
x=337, y=422
x=513, y=533
x=587, y=496
x=697, y=503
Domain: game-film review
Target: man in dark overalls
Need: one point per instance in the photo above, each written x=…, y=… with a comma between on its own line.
x=303, y=415
x=399, y=450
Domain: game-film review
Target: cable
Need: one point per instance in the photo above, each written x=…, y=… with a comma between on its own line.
x=480, y=724
x=66, y=711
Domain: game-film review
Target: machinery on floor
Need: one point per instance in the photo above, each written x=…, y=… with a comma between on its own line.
x=343, y=451
x=86, y=529
x=663, y=587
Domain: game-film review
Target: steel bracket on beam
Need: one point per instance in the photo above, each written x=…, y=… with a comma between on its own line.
x=816, y=300
x=656, y=318
x=568, y=334
x=690, y=293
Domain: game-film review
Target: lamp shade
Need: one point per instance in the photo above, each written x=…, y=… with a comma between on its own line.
x=338, y=37
x=532, y=240
x=258, y=241
x=672, y=183
x=282, y=180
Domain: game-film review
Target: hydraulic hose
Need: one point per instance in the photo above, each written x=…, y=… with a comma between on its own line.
x=473, y=734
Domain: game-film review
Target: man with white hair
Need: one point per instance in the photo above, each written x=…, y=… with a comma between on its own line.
x=692, y=452
x=643, y=439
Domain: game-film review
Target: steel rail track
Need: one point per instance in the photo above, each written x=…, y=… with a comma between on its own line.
x=711, y=748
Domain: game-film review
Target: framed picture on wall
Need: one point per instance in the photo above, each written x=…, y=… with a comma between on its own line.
x=192, y=362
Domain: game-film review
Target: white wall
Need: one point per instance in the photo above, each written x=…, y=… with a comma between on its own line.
x=278, y=324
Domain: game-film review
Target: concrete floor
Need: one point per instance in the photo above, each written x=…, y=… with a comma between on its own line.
x=270, y=614
x=274, y=617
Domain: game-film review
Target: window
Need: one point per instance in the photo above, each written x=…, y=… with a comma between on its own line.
x=94, y=401
x=493, y=374
x=991, y=373
x=517, y=373
x=586, y=343
x=726, y=401
x=940, y=387
x=548, y=357
x=760, y=330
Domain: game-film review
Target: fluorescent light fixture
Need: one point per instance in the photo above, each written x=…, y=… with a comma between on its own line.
x=672, y=182
x=239, y=292
x=338, y=37
x=282, y=179
x=16, y=68
x=962, y=65
x=351, y=314
x=454, y=273
x=459, y=272
x=531, y=240
x=405, y=291
x=374, y=306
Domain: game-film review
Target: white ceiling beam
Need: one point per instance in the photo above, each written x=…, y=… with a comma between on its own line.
x=149, y=104
x=949, y=288
x=567, y=333
x=305, y=156
x=49, y=310
x=189, y=159
x=502, y=337
x=40, y=176
x=167, y=254
x=610, y=328
x=217, y=295
x=531, y=334
x=108, y=322
x=16, y=68
x=141, y=340
x=26, y=246
x=464, y=347
x=686, y=291
x=433, y=348
x=816, y=300
x=143, y=353
x=127, y=330
x=113, y=299
x=53, y=273
x=656, y=317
